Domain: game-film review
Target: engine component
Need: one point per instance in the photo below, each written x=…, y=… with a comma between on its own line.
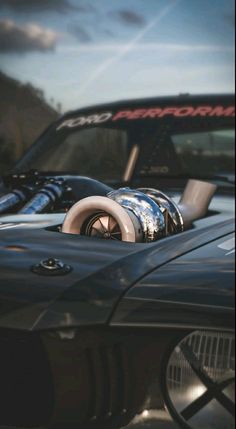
x=102, y=217
x=196, y=200
x=44, y=198
x=125, y=214
x=173, y=219
x=13, y=199
x=142, y=215
x=150, y=218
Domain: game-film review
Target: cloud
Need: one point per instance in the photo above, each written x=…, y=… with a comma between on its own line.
x=31, y=6
x=22, y=39
x=128, y=17
x=80, y=33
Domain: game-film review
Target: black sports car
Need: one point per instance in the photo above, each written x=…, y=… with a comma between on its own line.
x=117, y=268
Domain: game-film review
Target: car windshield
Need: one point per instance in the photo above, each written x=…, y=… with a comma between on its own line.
x=114, y=148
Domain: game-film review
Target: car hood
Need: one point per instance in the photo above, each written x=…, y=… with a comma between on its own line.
x=101, y=273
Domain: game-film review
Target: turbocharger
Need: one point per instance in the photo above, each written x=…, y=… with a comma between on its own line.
x=143, y=215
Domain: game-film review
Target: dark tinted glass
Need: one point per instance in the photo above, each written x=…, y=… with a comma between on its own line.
x=206, y=153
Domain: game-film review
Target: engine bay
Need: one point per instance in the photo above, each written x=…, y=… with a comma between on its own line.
x=61, y=192
x=96, y=210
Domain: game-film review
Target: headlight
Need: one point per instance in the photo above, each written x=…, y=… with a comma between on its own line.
x=200, y=381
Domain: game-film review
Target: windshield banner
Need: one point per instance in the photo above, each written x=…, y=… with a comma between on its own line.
x=149, y=113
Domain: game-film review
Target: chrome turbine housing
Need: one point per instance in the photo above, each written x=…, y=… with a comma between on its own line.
x=173, y=219
x=139, y=215
x=131, y=215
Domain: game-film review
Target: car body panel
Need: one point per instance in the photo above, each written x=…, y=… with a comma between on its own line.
x=196, y=289
x=102, y=273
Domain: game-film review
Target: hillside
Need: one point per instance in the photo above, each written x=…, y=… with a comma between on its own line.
x=24, y=114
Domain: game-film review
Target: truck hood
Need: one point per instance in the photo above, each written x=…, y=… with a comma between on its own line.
x=101, y=273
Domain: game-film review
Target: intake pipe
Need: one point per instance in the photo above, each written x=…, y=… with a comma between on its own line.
x=195, y=201
x=44, y=199
x=14, y=199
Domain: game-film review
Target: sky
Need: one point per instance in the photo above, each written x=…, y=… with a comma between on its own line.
x=85, y=52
